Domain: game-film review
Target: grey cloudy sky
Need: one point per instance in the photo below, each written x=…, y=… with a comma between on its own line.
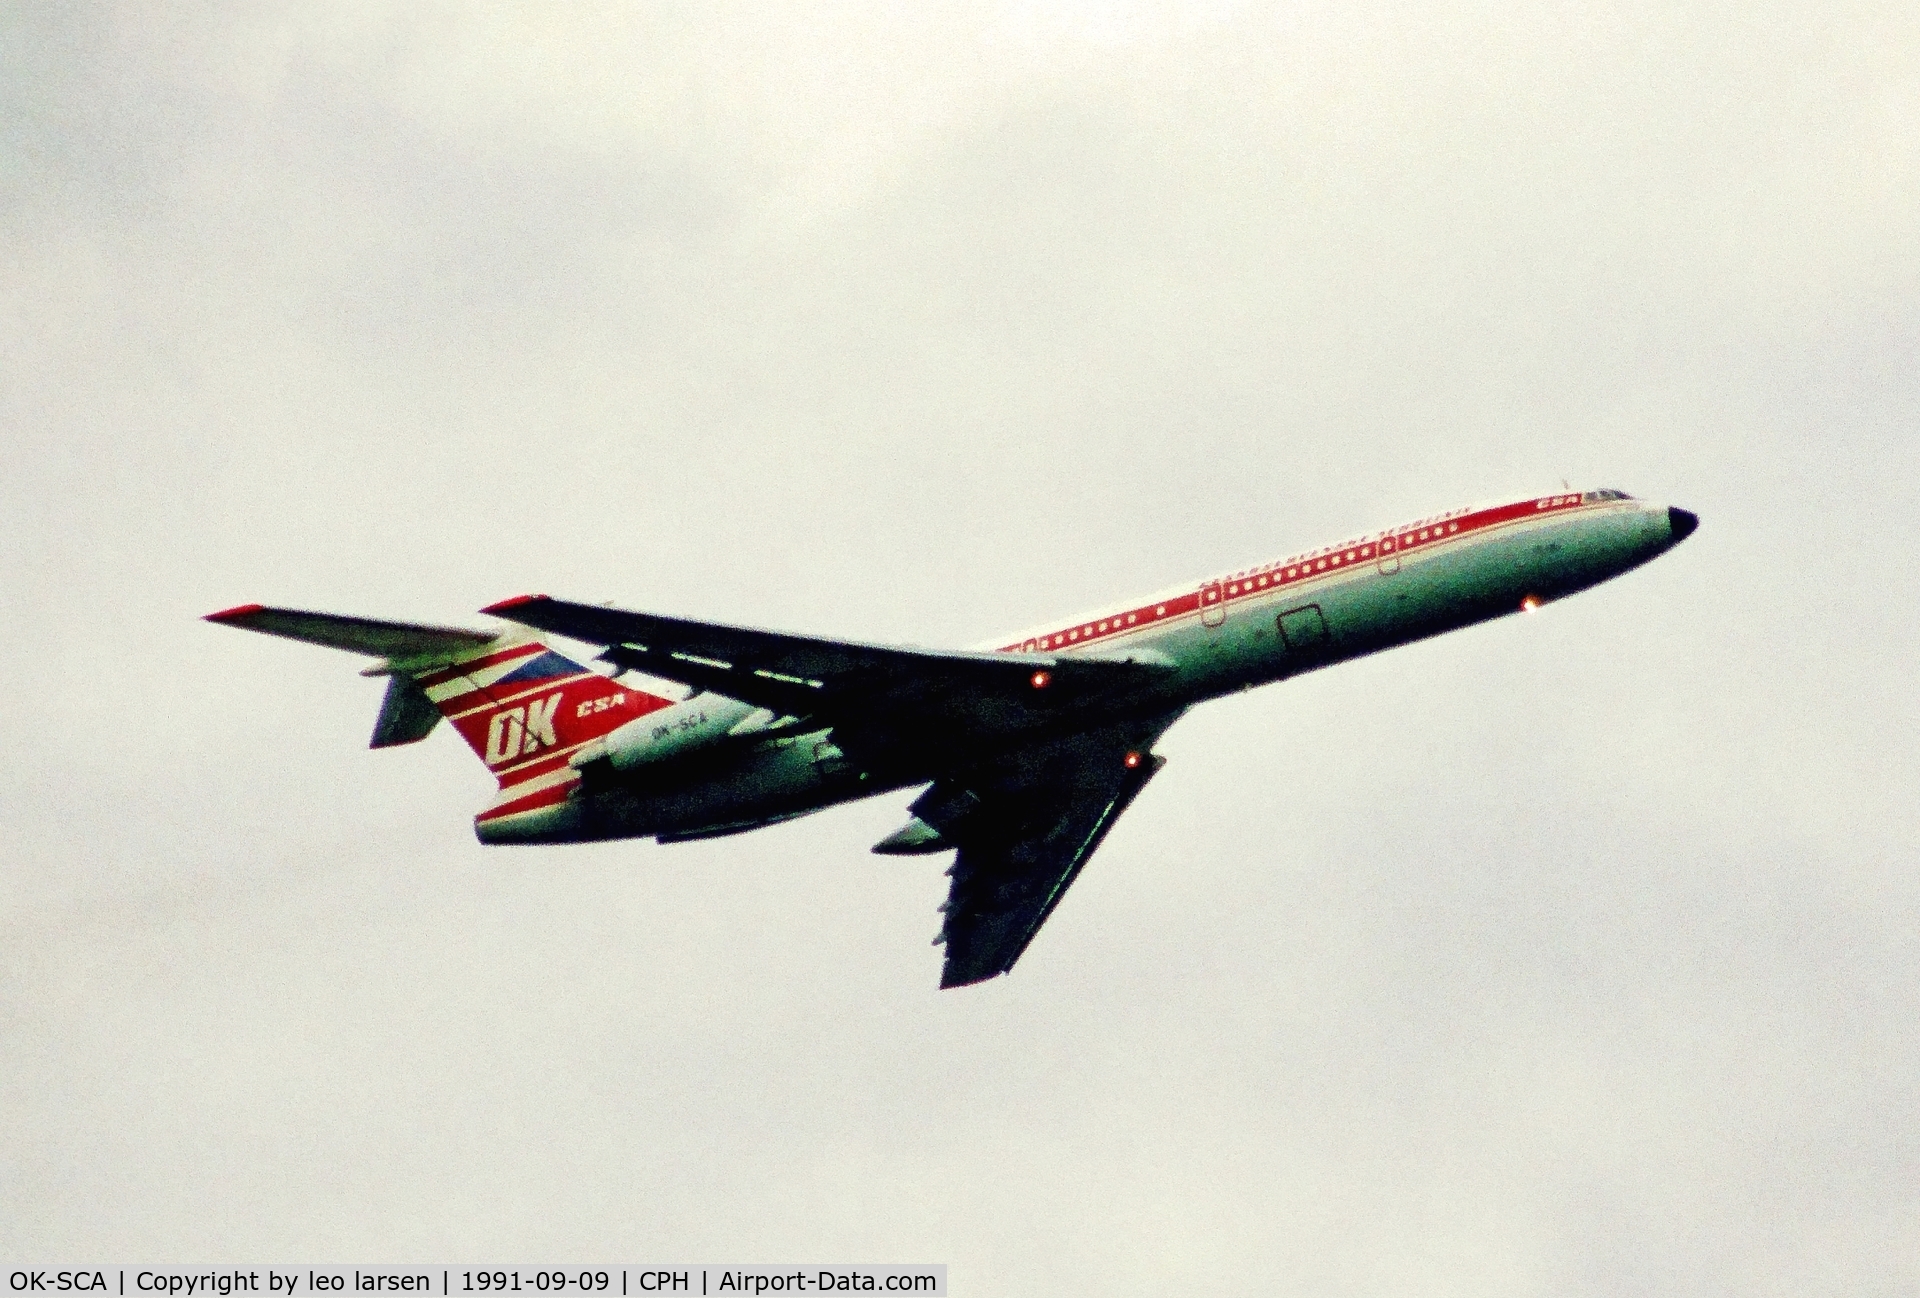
x=1576, y=954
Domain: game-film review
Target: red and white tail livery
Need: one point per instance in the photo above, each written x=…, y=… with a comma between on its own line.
x=523, y=708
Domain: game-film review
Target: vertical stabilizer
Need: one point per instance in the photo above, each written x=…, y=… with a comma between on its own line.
x=407, y=715
x=523, y=708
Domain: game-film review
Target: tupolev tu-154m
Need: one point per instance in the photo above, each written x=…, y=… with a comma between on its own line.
x=1029, y=748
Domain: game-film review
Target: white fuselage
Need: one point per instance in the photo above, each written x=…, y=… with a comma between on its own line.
x=1257, y=624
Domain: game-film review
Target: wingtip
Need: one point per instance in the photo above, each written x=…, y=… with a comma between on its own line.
x=950, y=979
x=235, y=613
x=502, y=608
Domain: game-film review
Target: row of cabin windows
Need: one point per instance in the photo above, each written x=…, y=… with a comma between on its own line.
x=1320, y=565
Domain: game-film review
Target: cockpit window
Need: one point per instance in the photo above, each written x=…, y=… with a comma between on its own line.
x=1608, y=493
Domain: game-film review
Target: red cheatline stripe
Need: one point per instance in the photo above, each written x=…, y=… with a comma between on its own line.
x=519, y=690
x=532, y=802
x=1314, y=564
x=538, y=766
x=445, y=674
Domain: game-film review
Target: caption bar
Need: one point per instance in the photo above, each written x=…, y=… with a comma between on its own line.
x=468, y=1281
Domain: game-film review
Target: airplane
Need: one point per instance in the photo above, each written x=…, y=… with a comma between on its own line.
x=1030, y=747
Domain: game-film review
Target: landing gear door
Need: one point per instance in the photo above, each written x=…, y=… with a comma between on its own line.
x=1213, y=605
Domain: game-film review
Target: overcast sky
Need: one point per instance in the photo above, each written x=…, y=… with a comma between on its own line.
x=1574, y=955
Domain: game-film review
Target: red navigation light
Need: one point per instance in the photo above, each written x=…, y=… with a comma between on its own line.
x=1530, y=603
x=1133, y=761
x=1041, y=680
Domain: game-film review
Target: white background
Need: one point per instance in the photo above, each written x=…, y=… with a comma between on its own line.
x=1573, y=954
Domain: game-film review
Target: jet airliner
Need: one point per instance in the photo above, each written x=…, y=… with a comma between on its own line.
x=1029, y=748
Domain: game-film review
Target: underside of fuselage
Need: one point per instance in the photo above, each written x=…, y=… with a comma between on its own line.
x=700, y=795
x=778, y=779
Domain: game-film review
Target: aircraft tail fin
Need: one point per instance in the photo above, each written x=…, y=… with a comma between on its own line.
x=407, y=715
x=521, y=707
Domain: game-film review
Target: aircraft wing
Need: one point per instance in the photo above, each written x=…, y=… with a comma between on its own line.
x=1024, y=834
x=874, y=695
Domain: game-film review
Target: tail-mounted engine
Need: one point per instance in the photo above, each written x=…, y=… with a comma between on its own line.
x=703, y=721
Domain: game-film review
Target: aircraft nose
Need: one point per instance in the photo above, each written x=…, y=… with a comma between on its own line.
x=1682, y=522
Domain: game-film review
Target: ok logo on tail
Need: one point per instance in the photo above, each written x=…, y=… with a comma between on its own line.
x=518, y=732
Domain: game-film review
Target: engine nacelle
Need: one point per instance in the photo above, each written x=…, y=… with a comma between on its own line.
x=671, y=732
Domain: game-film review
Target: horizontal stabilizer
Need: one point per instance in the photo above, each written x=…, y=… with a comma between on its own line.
x=361, y=635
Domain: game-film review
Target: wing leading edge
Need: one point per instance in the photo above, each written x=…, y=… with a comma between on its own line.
x=874, y=695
